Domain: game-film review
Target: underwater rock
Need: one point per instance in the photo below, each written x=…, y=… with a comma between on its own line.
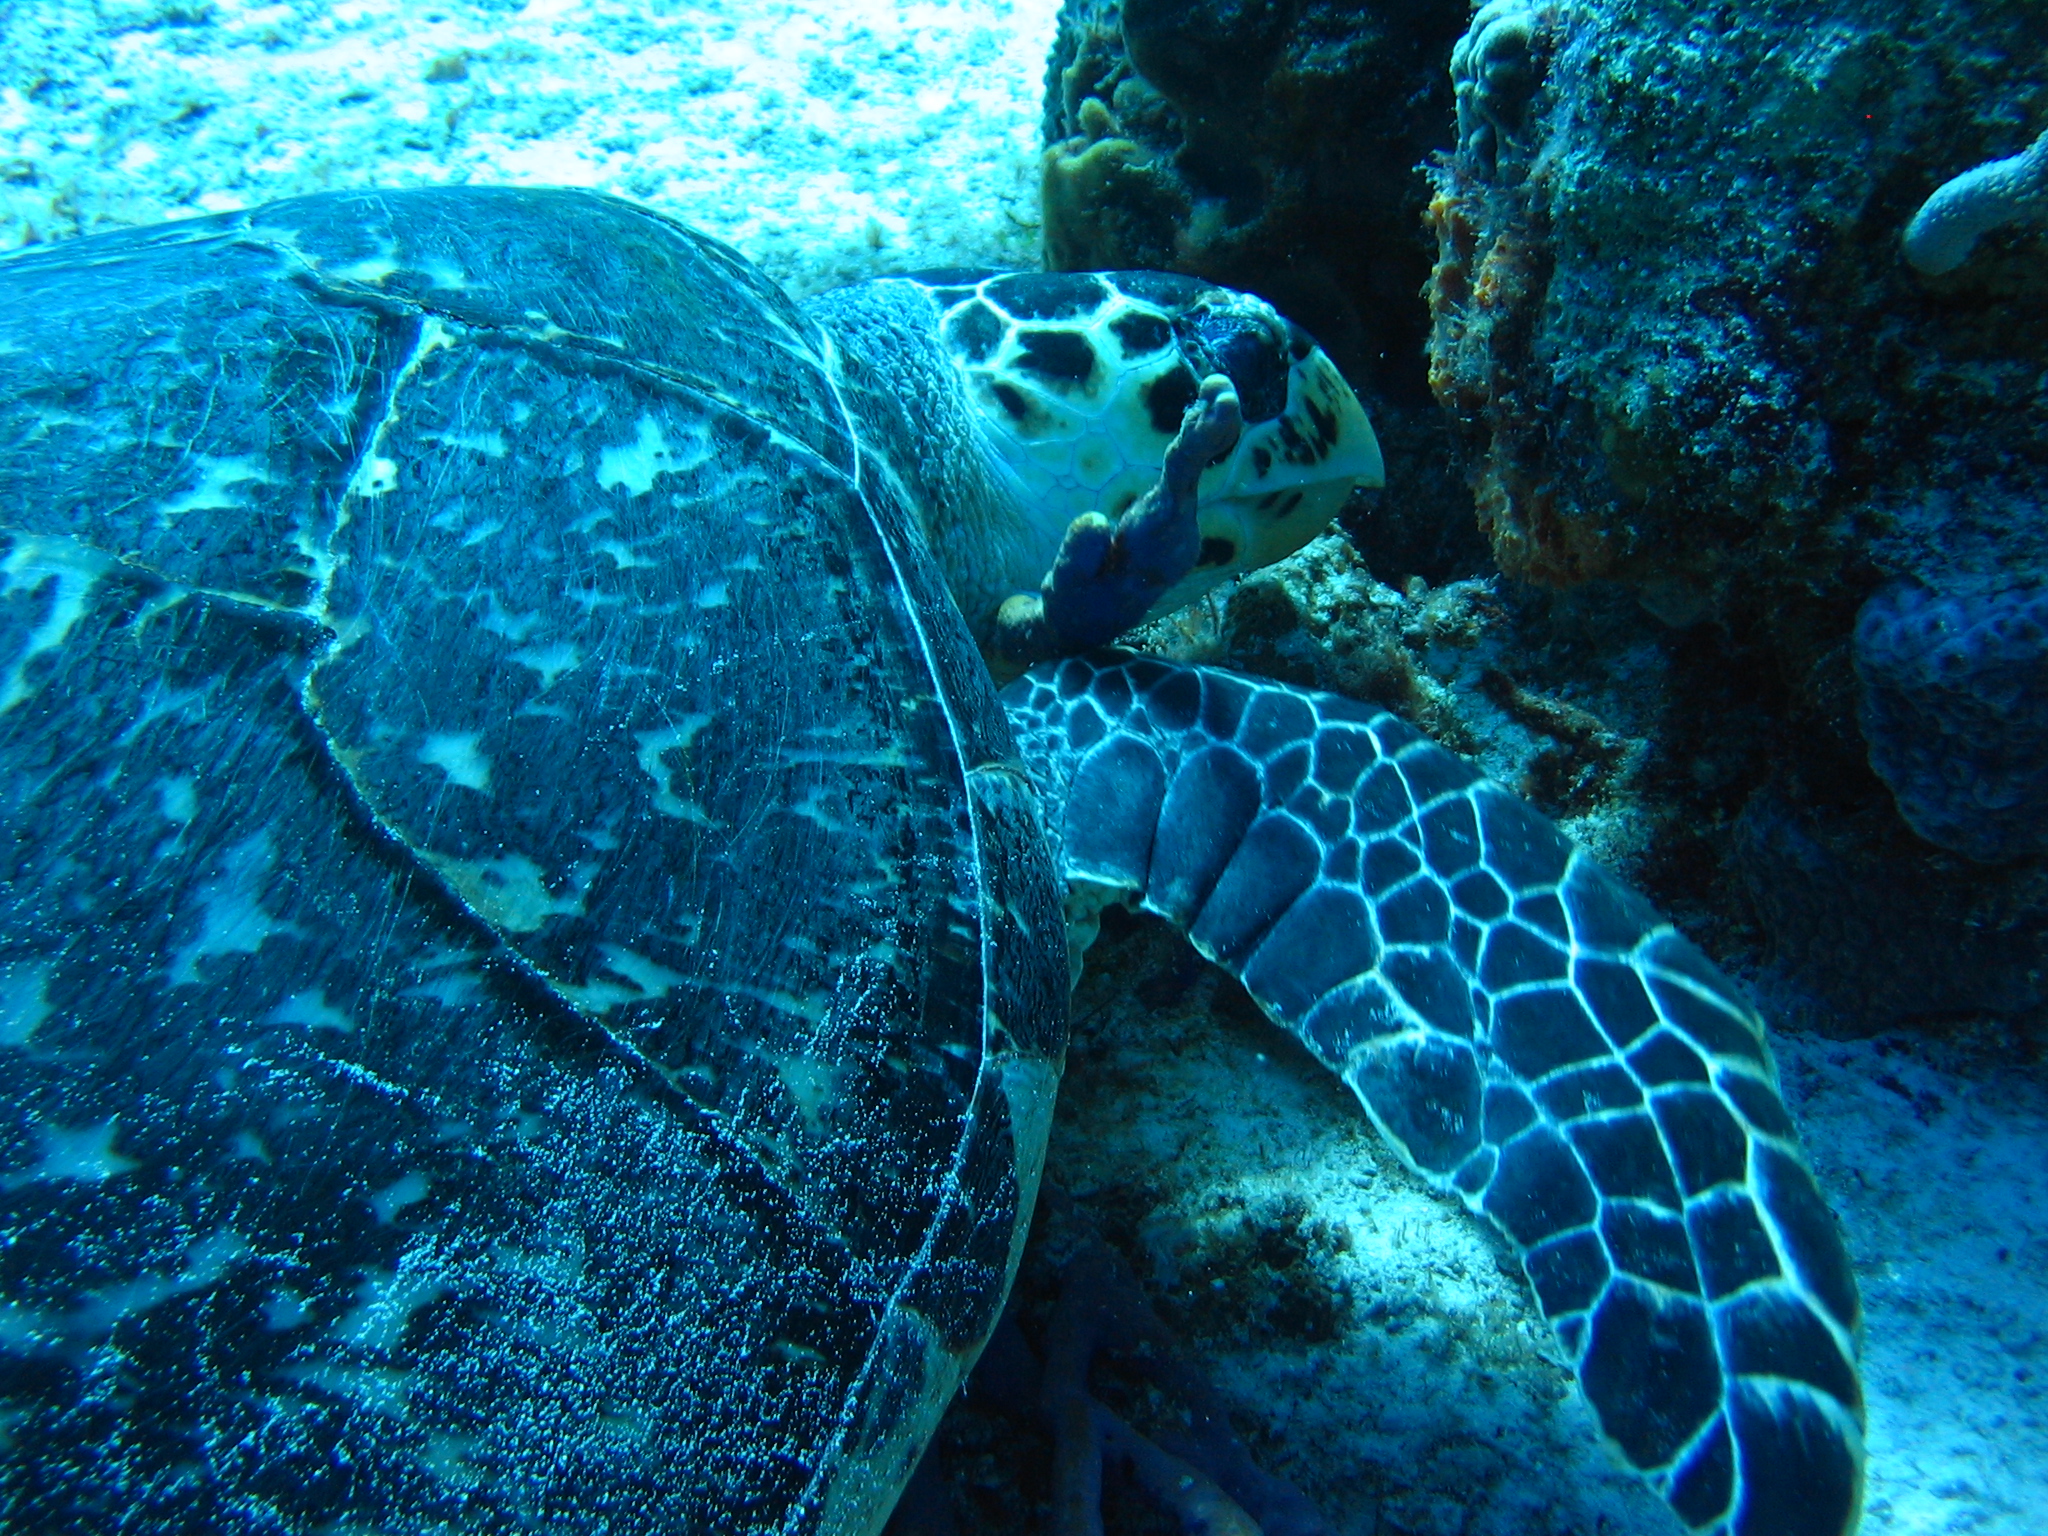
x=1862, y=934
x=1272, y=145
x=1684, y=351
x=1955, y=707
x=1673, y=326
x=1275, y=138
x=1493, y=74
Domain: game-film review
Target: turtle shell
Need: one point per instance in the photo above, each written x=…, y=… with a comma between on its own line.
x=531, y=986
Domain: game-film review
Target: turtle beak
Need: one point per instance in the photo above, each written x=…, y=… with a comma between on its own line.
x=1289, y=474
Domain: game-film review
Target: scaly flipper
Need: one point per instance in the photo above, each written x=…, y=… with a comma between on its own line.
x=1107, y=575
x=1524, y=1030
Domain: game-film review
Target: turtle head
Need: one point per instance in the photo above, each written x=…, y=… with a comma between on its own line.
x=1078, y=382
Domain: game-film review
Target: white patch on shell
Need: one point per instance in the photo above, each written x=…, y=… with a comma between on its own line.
x=454, y=988
x=636, y=465
x=311, y=1010
x=826, y=805
x=232, y=920
x=24, y=999
x=654, y=749
x=83, y=1154
x=455, y=754
x=550, y=661
x=644, y=981
x=457, y=1461
x=490, y=444
x=444, y=274
x=70, y=569
x=407, y=1189
x=375, y=476
x=285, y=1310
x=177, y=798
x=214, y=490
x=812, y=1085
x=371, y=269
x=622, y=555
x=501, y=621
x=508, y=892
x=206, y=1262
x=387, y=1299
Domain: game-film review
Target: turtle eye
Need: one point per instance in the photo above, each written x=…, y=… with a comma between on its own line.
x=1220, y=341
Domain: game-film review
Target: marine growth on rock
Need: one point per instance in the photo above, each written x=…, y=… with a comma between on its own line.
x=1954, y=703
x=1965, y=208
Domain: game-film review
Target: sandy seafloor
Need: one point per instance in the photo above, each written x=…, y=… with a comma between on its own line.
x=848, y=136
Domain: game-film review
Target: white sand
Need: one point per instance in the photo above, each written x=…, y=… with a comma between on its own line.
x=823, y=140
x=1443, y=1408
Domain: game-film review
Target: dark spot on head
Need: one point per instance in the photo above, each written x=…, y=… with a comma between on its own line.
x=1299, y=342
x=1230, y=342
x=1216, y=552
x=973, y=333
x=1141, y=334
x=1295, y=448
x=1168, y=397
x=1325, y=424
x=1012, y=400
x=1048, y=295
x=1262, y=461
x=1058, y=357
x=1169, y=290
x=1286, y=509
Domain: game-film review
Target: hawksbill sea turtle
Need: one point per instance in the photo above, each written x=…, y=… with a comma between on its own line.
x=535, y=964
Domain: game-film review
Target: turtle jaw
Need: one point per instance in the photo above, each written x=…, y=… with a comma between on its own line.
x=1283, y=482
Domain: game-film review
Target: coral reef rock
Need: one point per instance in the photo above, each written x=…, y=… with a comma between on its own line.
x=1276, y=139
x=1955, y=707
x=1671, y=315
x=1688, y=346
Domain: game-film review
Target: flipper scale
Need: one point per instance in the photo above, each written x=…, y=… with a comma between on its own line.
x=1525, y=1031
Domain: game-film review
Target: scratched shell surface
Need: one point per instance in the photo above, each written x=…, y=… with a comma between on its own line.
x=500, y=1017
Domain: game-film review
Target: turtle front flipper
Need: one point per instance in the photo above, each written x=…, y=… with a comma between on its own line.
x=1107, y=576
x=1524, y=1030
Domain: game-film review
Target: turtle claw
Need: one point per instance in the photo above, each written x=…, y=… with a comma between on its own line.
x=1107, y=575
